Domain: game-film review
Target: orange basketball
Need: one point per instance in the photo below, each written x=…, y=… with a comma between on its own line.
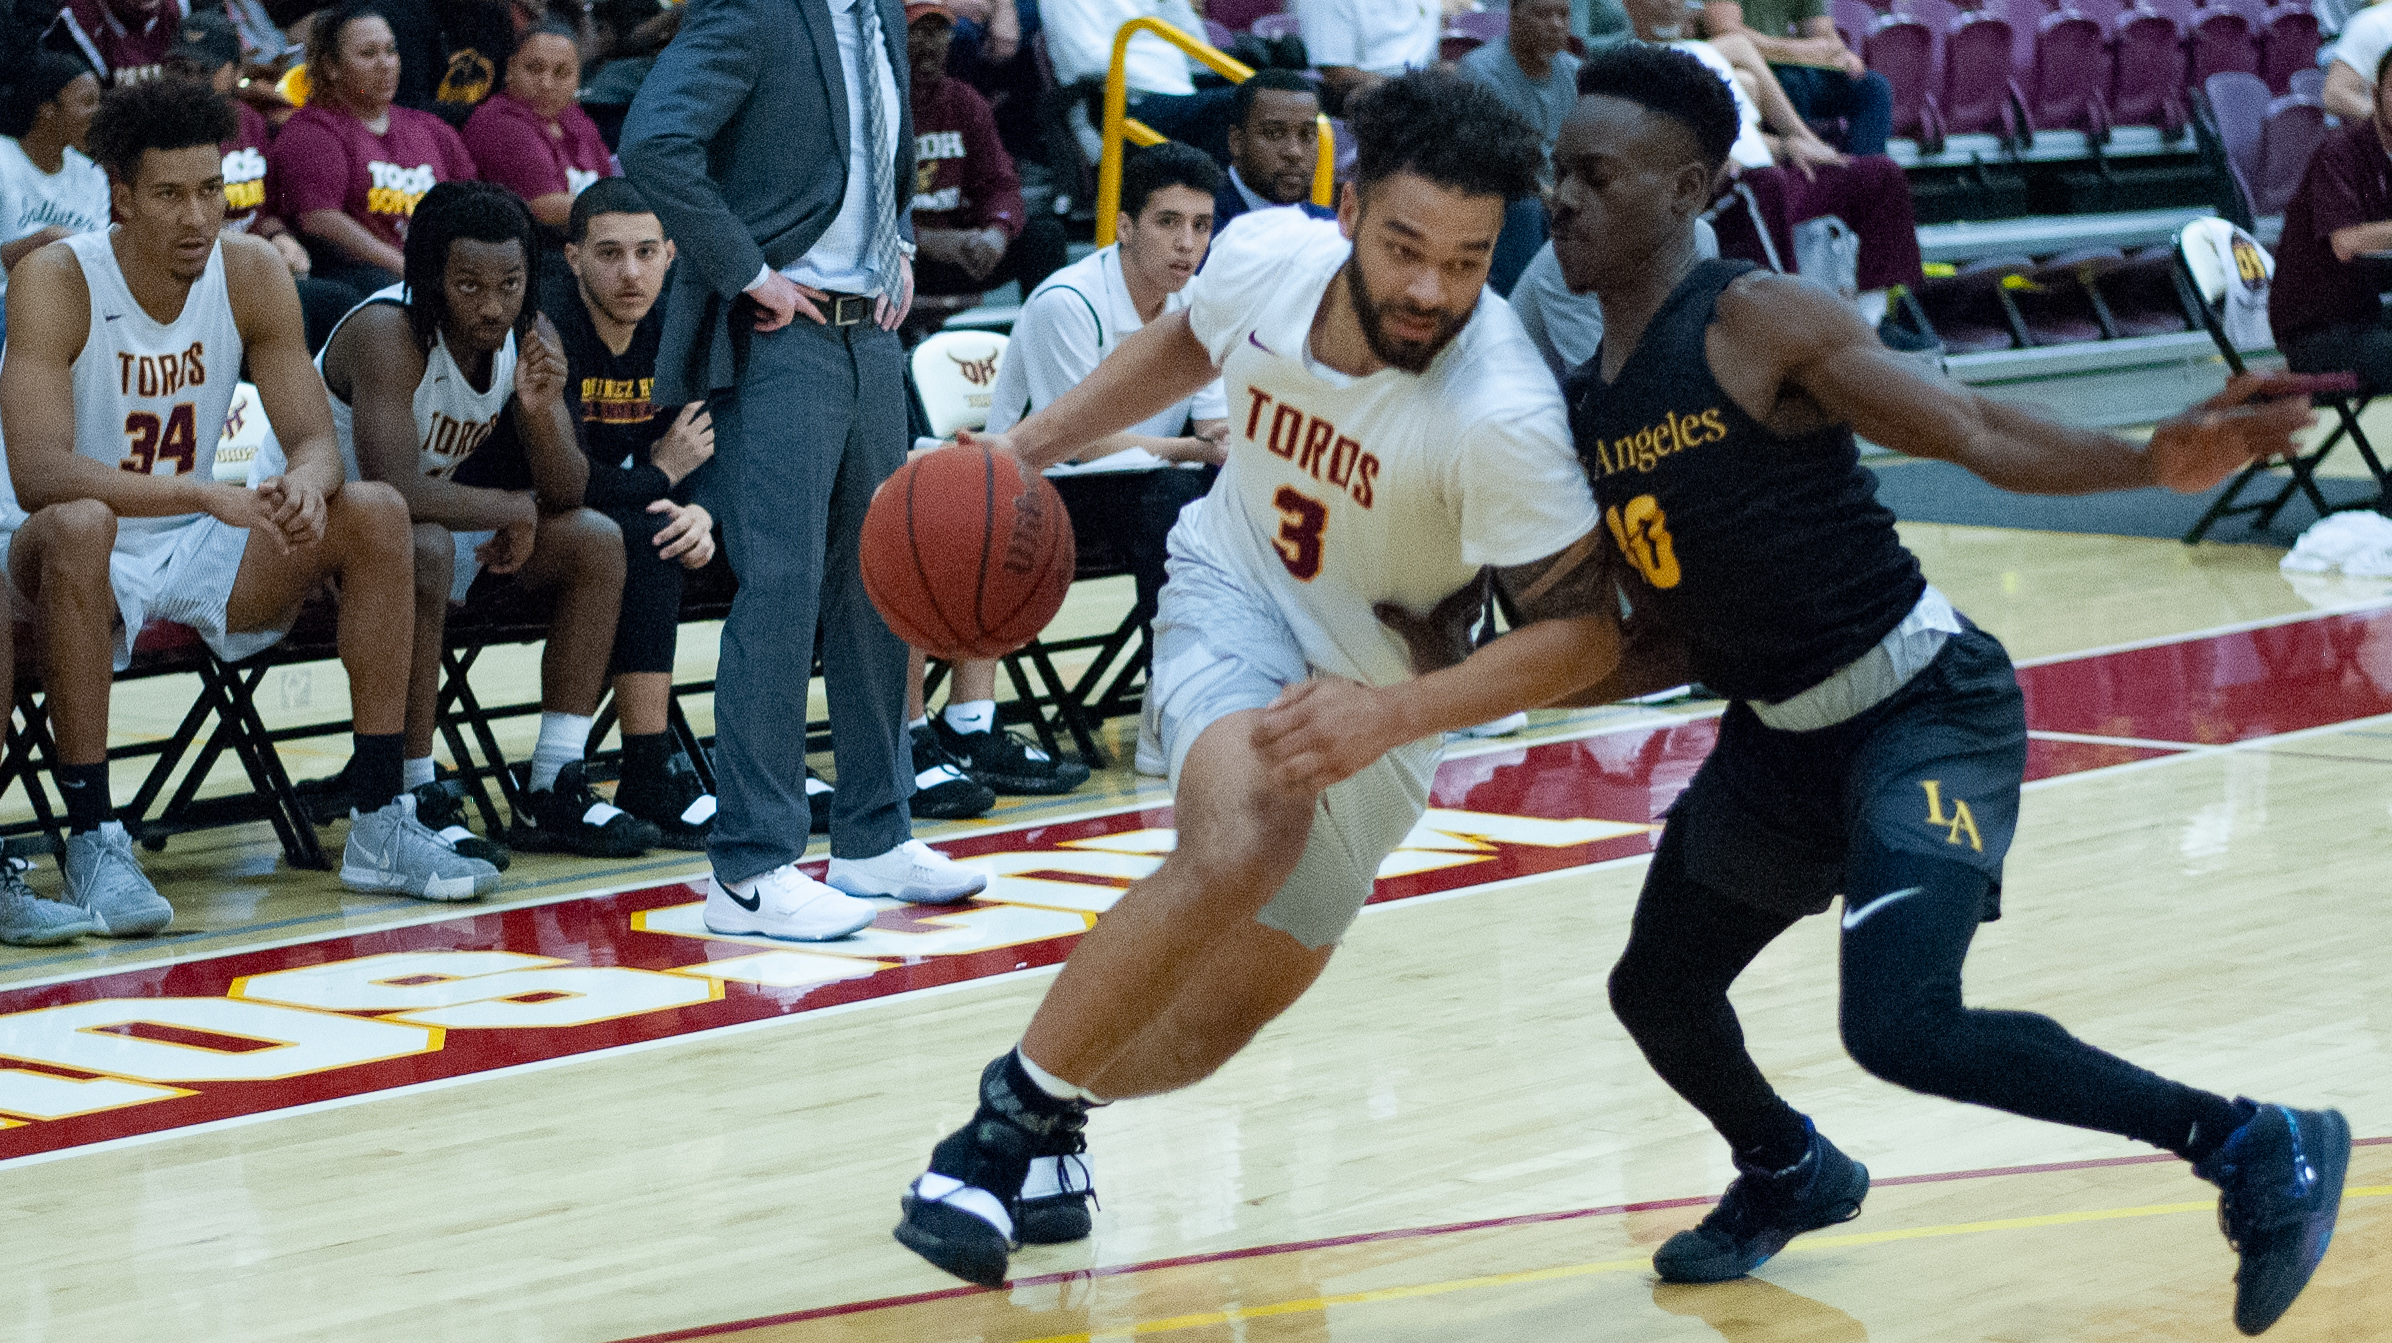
x=967, y=555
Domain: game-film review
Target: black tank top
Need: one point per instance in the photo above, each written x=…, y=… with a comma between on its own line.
x=1769, y=556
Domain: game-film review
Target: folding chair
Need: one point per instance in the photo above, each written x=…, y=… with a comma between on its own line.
x=2227, y=272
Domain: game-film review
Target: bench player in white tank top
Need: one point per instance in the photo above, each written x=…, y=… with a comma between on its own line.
x=1392, y=433
x=454, y=365
x=120, y=363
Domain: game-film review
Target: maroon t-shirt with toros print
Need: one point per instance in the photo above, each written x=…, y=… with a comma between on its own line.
x=326, y=159
x=516, y=148
x=245, y=170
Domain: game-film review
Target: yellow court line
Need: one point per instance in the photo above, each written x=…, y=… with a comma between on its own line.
x=1216, y=1318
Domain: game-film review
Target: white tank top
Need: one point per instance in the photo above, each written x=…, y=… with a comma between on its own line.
x=451, y=418
x=151, y=396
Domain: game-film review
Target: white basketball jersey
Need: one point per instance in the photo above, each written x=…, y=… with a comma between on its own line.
x=451, y=418
x=150, y=396
x=1342, y=492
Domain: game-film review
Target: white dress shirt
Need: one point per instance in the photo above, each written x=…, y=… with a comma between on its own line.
x=837, y=261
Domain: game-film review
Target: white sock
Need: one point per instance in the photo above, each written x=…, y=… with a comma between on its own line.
x=918, y=724
x=1873, y=304
x=1053, y=1085
x=416, y=773
x=979, y=715
x=562, y=737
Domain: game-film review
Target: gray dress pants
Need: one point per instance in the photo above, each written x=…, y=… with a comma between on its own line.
x=815, y=422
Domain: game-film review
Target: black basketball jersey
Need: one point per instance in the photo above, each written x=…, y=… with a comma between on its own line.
x=1769, y=556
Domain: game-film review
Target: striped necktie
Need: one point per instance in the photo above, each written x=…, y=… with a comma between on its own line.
x=881, y=252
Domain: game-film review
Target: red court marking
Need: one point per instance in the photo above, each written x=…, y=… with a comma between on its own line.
x=2318, y=671
x=1359, y=1238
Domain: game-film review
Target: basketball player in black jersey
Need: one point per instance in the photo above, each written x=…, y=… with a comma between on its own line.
x=1875, y=739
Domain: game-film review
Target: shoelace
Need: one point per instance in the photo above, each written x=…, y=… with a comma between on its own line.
x=12, y=877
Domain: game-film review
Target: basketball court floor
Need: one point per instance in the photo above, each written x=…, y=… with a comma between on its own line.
x=569, y=1113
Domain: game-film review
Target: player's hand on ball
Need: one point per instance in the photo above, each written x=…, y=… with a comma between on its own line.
x=1441, y=638
x=688, y=534
x=540, y=367
x=1322, y=732
x=2253, y=419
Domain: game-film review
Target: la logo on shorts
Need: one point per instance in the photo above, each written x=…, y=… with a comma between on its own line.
x=1960, y=822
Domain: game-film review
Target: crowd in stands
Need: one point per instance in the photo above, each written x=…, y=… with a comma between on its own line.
x=540, y=294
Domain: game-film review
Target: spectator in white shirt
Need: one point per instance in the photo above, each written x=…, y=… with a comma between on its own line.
x=2350, y=70
x=48, y=189
x=1162, y=88
x=1357, y=43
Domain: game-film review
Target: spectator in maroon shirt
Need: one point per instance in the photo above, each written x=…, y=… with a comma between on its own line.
x=531, y=137
x=349, y=167
x=123, y=39
x=970, y=229
x=2323, y=302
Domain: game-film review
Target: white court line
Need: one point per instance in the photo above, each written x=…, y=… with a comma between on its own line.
x=2212, y=632
x=2095, y=739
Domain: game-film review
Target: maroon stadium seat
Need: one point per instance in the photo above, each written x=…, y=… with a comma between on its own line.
x=1903, y=50
x=2147, y=50
x=1979, y=93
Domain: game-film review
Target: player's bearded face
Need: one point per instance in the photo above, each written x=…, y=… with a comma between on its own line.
x=1418, y=333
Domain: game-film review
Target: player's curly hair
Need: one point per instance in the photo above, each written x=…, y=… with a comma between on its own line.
x=168, y=113
x=1672, y=84
x=1448, y=128
x=477, y=211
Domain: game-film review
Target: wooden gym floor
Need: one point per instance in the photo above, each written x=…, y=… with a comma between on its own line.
x=570, y=1114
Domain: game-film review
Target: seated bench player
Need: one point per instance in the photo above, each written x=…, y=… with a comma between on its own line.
x=1067, y=326
x=122, y=359
x=640, y=459
x=429, y=394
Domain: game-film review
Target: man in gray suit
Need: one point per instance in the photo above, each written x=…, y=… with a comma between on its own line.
x=773, y=137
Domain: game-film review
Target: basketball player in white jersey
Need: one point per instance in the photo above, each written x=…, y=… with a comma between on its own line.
x=427, y=383
x=123, y=352
x=1392, y=432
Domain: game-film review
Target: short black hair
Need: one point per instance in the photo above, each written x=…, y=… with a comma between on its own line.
x=1241, y=103
x=477, y=211
x=550, y=27
x=606, y=196
x=1448, y=128
x=37, y=78
x=168, y=113
x=1169, y=164
x=1670, y=83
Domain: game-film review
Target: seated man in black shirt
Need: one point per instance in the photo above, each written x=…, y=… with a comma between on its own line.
x=640, y=456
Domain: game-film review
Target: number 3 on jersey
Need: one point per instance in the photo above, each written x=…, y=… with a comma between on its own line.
x=1299, y=541
x=176, y=441
x=1642, y=530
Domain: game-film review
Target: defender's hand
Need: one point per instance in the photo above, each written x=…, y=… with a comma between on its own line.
x=1441, y=638
x=1323, y=732
x=2252, y=420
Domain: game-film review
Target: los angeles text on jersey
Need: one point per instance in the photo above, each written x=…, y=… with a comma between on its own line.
x=1644, y=449
x=1313, y=444
x=153, y=375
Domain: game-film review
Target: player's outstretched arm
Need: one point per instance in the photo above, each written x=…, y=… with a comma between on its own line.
x=265, y=306
x=375, y=355
x=49, y=314
x=1793, y=351
x=560, y=469
x=1159, y=365
x=1567, y=635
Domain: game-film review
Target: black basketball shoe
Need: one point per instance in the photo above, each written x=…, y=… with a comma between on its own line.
x=673, y=801
x=569, y=818
x=1763, y=1210
x=2279, y=1180
x=964, y=1213
x=1005, y=763
x=942, y=792
x=440, y=805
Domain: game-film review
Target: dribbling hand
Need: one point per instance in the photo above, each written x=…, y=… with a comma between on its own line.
x=2254, y=419
x=1322, y=732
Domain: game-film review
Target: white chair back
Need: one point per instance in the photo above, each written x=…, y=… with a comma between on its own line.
x=2231, y=271
x=245, y=432
x=956, y=370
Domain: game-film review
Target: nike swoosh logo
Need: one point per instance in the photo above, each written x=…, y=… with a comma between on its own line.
x=112, y=316
x=751, y=904
x=1856, y=917
x=1257, y=344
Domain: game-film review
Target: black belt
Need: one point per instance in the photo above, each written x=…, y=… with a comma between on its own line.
x=847, y=309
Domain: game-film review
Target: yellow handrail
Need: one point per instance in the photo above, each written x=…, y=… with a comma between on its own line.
x=1120, y=125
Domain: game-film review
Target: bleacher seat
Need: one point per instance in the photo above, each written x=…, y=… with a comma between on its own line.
x=1968, y=310
x=1239, y=15
x=1275, y=25
x=2309, y=83
x=2068, y=76
x=1854, y=21
x=2288, y=47
x=2220, y=41
x=2144, y=296
x=1902, y=49
x=2059, y=303
x=2147, y=50
x=1218, y=33
x=2266, y=140
x=1979, y=92
x=2104, y=12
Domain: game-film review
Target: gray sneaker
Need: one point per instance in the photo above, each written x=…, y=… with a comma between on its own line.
x=27, y=920
x=104, y=878
x=390, y=850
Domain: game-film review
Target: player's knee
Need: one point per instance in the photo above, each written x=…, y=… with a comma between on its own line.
x=1906, y=1040
x=76, y=532
x=370, y=518
x=594, y=541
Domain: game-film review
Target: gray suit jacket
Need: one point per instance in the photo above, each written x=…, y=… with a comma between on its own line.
x=739, y=139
